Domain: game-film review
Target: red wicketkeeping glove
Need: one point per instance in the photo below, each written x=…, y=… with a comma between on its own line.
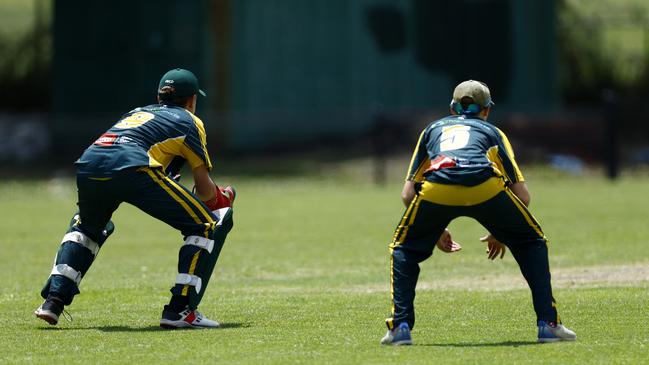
x=223, y=197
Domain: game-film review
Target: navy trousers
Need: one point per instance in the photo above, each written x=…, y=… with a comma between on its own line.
x=498, y=210
x=155, y=194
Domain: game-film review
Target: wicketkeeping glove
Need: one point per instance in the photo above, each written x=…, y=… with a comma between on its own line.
x=223, y=198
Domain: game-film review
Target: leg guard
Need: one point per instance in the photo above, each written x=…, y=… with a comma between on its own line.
x=72, y=261
x=197, y=258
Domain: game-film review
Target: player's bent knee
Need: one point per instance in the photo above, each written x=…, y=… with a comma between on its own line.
x=405, y=256
x=201, y=242
x=197, y=258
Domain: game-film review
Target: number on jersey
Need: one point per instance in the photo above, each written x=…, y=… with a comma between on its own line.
x=454, y=137
x=134, y=120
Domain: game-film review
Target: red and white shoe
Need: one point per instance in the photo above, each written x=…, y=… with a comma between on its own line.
x=186, y=319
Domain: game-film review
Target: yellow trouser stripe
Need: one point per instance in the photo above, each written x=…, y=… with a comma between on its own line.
x=192, y=268
x=206, y=214
x=399, y=235
x=194, y=202
x=390, y=321
x=411, y=220
x=173, y=195
x=392, y=309
x=100, y=178
x=406, y=221
x=526, y=213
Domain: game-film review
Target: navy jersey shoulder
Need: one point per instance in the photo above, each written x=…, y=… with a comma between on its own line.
x=154, y=135
x=460, y=150
x=460, y=136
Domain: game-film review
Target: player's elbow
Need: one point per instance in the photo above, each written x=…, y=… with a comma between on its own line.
x=520, y=190
x=405, y=200
x=524, y=196
x=406, y=197
x=408, y=192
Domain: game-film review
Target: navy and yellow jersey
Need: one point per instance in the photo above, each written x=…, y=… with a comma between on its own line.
x=462, y=150
x=158, y=136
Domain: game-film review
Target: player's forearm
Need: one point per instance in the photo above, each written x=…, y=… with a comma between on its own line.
x=203, y=184
x=206, y=193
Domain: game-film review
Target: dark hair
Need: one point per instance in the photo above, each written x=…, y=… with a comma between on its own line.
x=466, y=101
x=166, y=95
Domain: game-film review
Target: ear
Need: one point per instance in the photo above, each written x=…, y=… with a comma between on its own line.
x=191, y=104
x=485, y=112
x=452, y=108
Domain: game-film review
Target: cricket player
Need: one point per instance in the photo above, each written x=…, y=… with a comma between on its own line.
x=464, y=166
x=137, y=161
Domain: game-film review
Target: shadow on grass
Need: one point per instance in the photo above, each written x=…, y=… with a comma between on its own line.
x=223, y=326
x=494, y=344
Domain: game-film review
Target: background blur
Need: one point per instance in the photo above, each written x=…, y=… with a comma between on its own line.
x=330, y=79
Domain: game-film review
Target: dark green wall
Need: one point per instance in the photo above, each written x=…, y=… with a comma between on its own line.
x=109, y=55
x=286, y=71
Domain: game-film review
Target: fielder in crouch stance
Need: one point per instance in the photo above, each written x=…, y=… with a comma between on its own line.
x=137, y=161
x=464, y=166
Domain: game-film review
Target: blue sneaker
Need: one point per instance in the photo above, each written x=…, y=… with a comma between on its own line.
x=400, y=335
x=553, y=332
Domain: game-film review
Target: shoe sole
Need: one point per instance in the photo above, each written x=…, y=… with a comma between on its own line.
x=172, y=325
x=47, y=317
x=398, y=343
x=558, y=339
x=402, y=343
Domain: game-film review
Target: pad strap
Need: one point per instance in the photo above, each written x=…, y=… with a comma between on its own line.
x=187, y=279
x=80, y=238
x=68, y=272
x=202, y=242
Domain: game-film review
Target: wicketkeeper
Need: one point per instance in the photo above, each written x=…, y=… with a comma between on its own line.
x=137, y=161
x=464, y=166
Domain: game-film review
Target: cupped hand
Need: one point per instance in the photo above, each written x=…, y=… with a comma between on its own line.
x=446, y=243
x=494, y=247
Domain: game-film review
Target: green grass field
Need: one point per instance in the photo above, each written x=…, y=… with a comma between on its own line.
x=303, y=278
